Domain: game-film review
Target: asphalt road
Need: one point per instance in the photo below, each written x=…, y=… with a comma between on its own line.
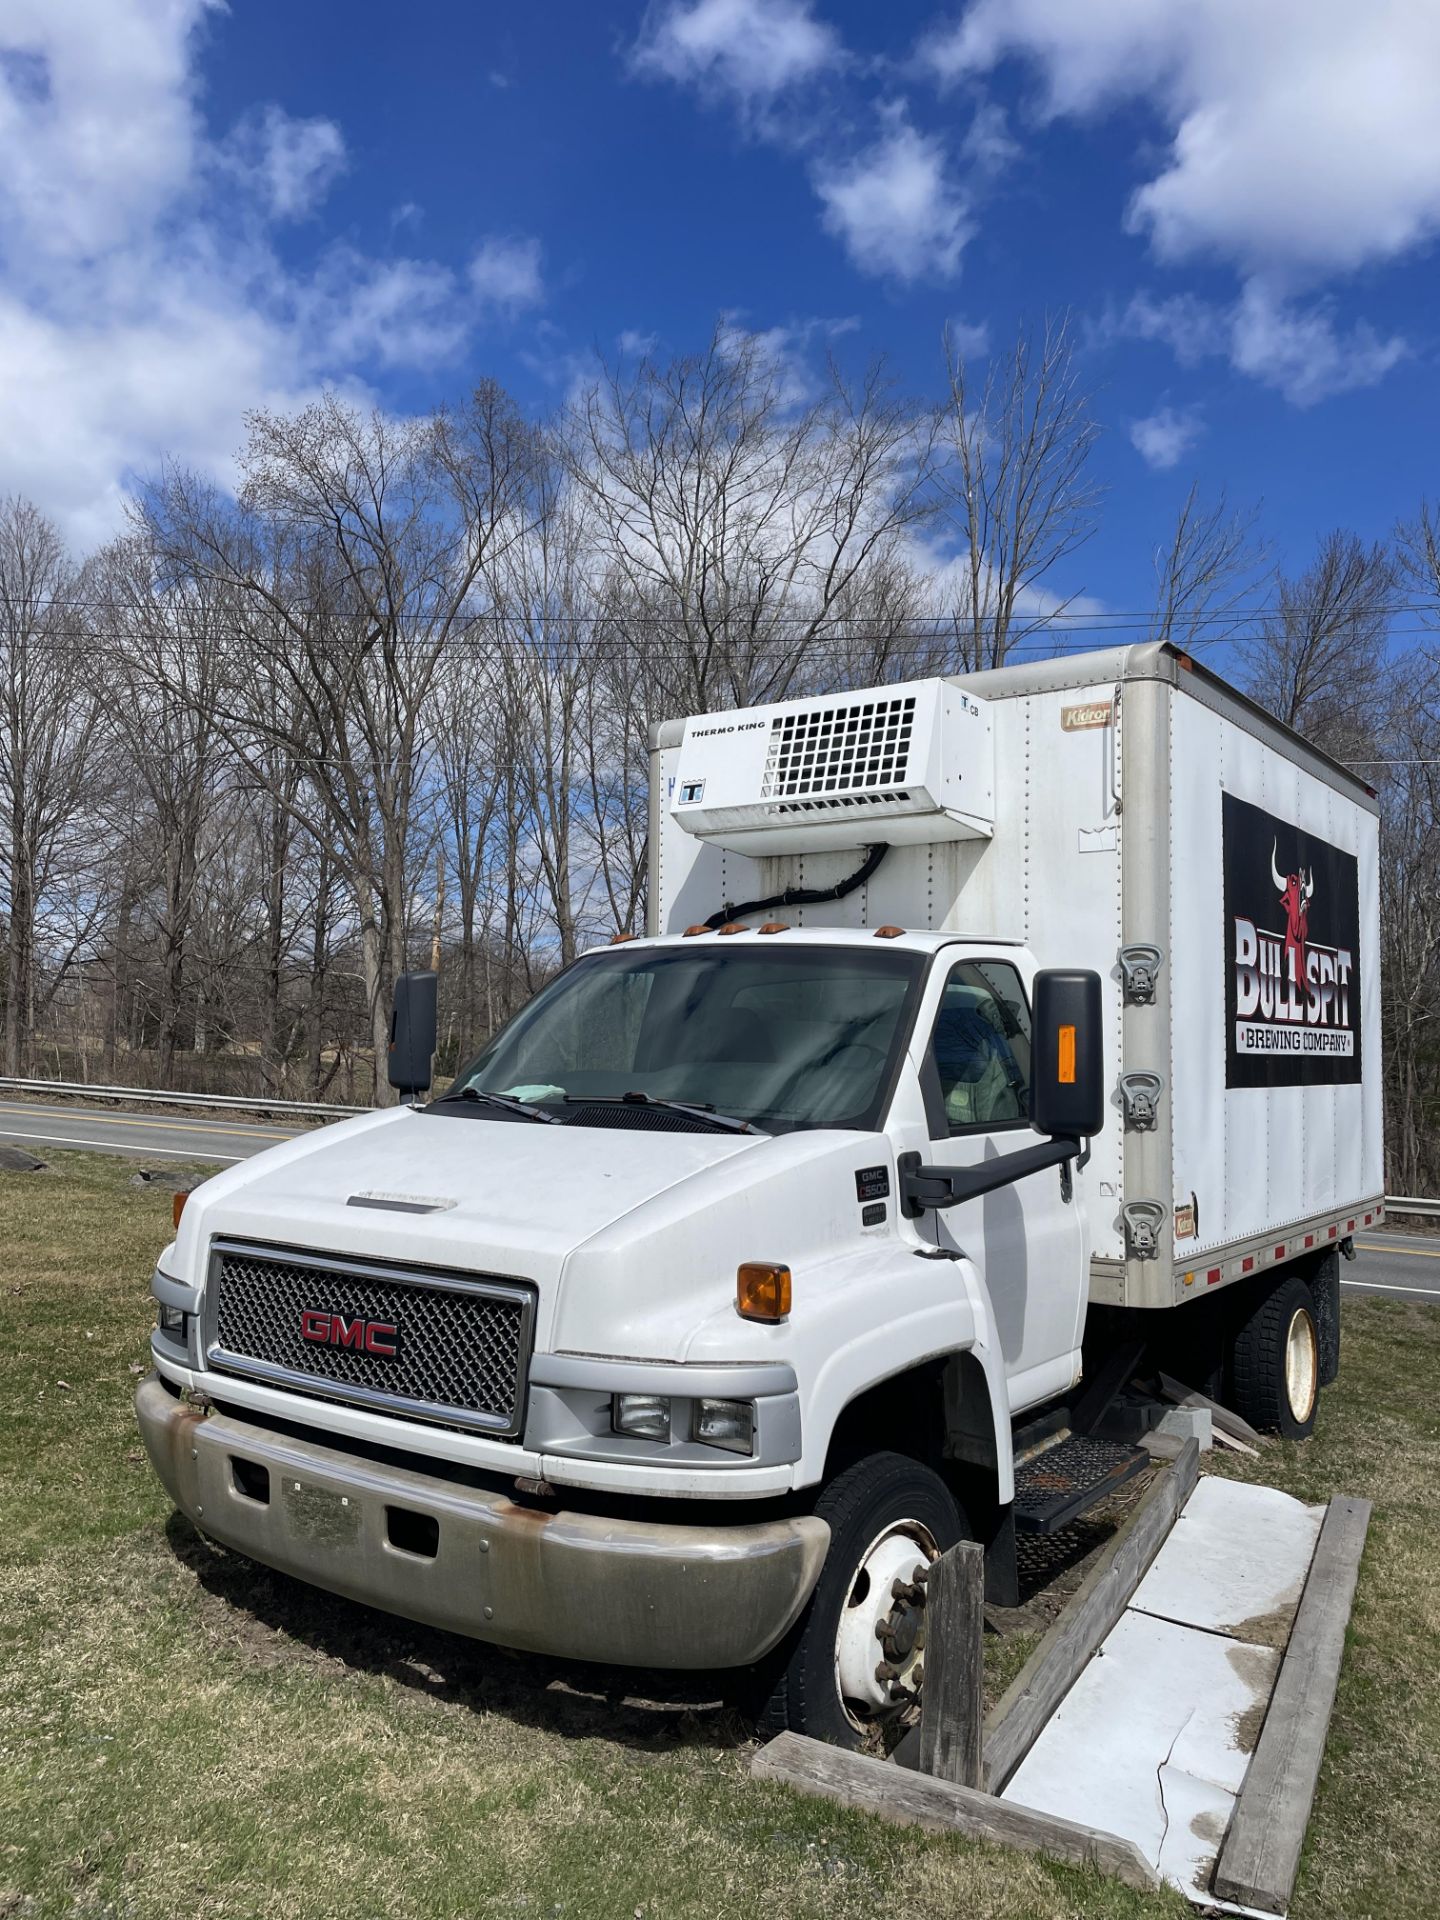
x=1398, y=1265
x=141, y=1136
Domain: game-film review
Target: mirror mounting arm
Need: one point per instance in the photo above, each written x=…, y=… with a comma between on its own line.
x=925, y=1189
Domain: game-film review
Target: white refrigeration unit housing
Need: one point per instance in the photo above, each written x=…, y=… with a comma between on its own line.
x=1124, y=810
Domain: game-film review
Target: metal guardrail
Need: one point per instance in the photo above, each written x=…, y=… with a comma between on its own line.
x=147, y=1096
x=324, y=1110
x=1423, y=1209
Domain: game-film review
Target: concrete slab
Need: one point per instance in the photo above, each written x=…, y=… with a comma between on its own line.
x=1152, y=1743
x=1235, y=1563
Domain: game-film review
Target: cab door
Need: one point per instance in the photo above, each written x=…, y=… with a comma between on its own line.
x=1028, y=1239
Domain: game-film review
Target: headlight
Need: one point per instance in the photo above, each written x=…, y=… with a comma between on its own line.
x=173, y=1321
x=726, y=1423
x=645, y=1415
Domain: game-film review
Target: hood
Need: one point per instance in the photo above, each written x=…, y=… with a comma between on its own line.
x=632, y=1237
x=509, y=1196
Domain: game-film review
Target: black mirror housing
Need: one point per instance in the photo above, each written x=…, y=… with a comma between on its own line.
x=1067, y=1062
x=413, y=1028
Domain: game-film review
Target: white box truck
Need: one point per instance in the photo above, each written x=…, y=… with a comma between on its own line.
x=994, y=1040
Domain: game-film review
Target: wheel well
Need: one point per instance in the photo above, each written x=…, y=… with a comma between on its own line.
x=904, y=1414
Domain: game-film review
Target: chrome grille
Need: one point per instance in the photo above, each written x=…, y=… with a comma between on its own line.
x=462, y=1346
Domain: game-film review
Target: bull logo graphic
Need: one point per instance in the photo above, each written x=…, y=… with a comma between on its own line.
x=1295, y=891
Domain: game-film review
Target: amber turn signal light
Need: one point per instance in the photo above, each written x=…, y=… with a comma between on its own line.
x=1065, y=1057
x=178, y=1207
x=762, y=1290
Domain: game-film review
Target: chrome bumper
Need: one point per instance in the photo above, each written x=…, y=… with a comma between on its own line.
x=626, y=1592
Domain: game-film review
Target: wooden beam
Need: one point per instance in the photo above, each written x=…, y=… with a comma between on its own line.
x=1053, y=1668
x=953, y=1697
x=871, y=1785
x=1261, y=1851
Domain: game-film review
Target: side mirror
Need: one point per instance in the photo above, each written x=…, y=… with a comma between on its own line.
x=1067, y=1056
x=412, y=1033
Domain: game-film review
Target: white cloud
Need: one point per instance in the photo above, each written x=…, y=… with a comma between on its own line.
x=1304, y=133
x=1298, y=350
x=968, y=339
x=636, y=345
x=143, y=308
x=505, y=273
x=753, y=49
x=895, y=206
x=1303, y=353
x=1164, y=437
x=989, y=146
x=290, y=164
x=97, y=124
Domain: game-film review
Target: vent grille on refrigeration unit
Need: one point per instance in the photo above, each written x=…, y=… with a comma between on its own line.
x=837, y=755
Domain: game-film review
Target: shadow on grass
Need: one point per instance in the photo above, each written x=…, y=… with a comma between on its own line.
x=270, y=1620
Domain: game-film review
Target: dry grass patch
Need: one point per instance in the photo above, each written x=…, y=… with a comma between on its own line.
x=181, y=1732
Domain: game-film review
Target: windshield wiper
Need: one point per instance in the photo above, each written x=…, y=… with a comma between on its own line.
x=505, y=1103
x=692, y=1109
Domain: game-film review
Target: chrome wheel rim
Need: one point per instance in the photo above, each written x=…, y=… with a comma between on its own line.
x=1302, y=1365
x=880, y=1642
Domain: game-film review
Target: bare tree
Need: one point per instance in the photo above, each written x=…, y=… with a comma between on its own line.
x=1018, y=489
x=1206, y=574
x=738, y=513
x=356, y=561
x=159, y=657
x=1318, y=660
x=47, y=729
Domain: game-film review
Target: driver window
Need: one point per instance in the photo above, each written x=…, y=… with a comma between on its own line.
x=980, y=1049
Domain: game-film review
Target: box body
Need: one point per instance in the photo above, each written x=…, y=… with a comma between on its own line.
x=1222, y=877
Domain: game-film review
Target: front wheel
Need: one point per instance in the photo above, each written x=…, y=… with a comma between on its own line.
x=852, y=1665
x=1275, y=1362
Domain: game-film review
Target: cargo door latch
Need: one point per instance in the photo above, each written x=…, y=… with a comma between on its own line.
x=1139, y=965
x=1143, y=1221
x=1141, y=1094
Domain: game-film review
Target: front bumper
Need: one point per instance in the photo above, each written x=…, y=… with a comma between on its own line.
x=626, y=1592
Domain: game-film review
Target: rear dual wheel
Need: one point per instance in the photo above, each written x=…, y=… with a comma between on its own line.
x=852, y=1667
x=1275, y=1362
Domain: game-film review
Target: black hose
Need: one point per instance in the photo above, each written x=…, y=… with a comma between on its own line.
x=805, y=896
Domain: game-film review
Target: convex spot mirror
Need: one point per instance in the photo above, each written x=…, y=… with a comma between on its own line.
x=412, y=1033
x=1067, y=1068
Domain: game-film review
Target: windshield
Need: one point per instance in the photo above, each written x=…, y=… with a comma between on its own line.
x=782, y=1036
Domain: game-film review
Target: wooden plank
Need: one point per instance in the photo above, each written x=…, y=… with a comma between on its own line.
x=1226, y=1420
x=871, y=1785
x=953, y=1697
x=1050, y=1672
x=1261, y=1851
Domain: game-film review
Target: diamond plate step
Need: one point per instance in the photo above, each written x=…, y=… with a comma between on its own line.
x=1062, y=1482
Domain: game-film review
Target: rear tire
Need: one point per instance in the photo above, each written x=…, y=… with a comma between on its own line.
x=1275, y=1362
x=888, y=1515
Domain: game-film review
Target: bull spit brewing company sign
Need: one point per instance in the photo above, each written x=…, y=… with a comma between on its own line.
x=1292, y=982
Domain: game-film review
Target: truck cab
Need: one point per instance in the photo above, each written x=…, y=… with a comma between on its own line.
x=720, y=1293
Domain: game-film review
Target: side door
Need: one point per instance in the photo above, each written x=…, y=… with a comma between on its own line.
x=1027, y=1239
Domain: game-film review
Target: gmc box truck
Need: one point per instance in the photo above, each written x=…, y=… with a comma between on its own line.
x=994, y=1040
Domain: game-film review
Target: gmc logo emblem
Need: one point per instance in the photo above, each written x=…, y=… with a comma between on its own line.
x=380, y=1337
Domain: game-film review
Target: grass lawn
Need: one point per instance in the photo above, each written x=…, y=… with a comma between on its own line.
x=181, y=1733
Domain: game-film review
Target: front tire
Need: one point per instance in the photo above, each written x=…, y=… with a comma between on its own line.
x=1275, y=1362
x=888, y=1516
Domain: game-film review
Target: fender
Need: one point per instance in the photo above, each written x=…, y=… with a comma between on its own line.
x=937, y=1309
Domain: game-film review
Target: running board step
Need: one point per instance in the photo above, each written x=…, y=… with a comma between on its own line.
x=1064, y=1481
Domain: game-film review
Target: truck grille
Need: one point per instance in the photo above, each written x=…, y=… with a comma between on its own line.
x=431, y=1346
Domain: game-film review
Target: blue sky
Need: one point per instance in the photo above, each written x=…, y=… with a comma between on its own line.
x=205, y=209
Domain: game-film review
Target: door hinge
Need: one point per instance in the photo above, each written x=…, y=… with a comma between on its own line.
x=1143, y=1221
x=1141, y=1094
x=1139, y=963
